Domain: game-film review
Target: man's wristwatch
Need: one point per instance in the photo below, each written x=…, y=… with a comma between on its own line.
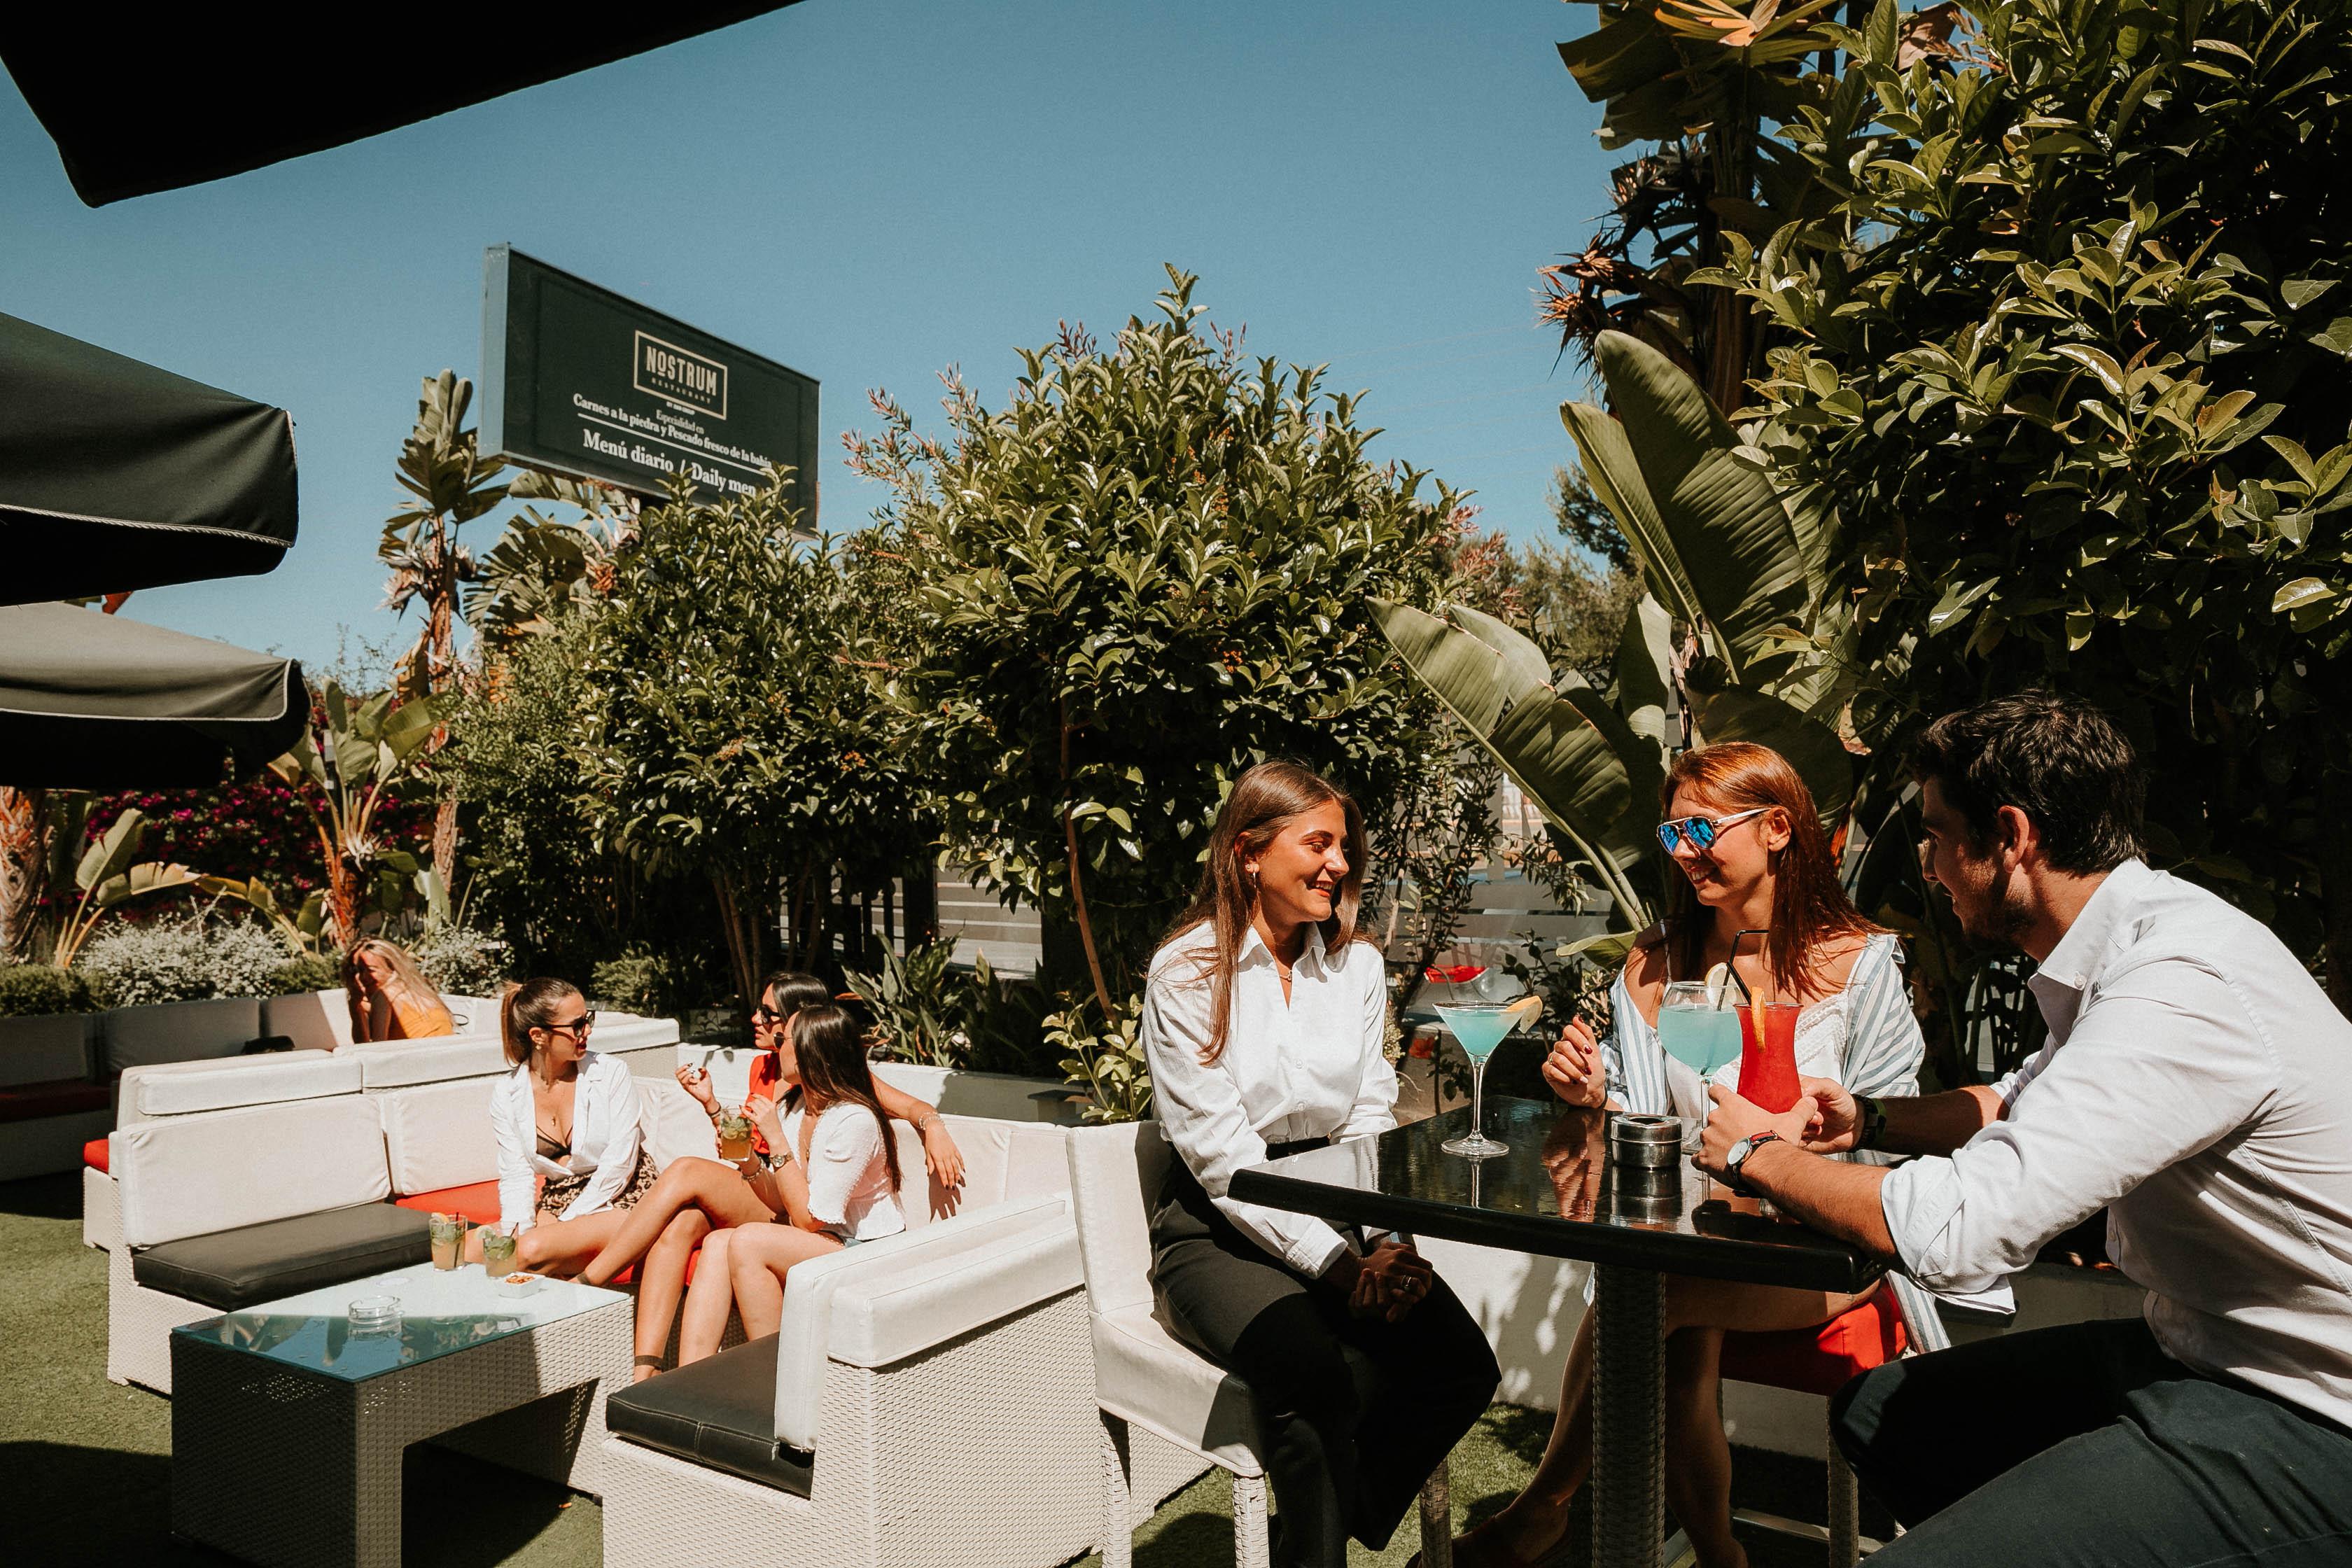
x=1738, y=1157
x=1870, y=1121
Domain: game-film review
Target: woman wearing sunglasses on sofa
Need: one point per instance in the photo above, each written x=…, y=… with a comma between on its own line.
x=695, y=1196
x=1748, y=855
x=836, y=1177
x=571, y=1158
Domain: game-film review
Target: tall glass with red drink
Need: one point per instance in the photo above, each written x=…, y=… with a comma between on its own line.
x=1768, y=1054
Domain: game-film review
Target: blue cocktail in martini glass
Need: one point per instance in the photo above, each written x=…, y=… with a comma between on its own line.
x=1478, y=1028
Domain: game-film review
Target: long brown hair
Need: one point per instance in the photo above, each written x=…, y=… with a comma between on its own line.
x=830, y=1049
x=528, y=1006
x=1809, y=906
x=1263, y=802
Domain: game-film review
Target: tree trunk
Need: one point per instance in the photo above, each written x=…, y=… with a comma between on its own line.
x=1078, y=882
x=24, y=870
x=740, y=957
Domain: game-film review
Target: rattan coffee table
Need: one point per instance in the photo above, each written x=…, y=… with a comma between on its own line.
x=289, y=1424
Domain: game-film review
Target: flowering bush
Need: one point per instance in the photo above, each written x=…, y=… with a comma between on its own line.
x=460, y=961
x=184, y=959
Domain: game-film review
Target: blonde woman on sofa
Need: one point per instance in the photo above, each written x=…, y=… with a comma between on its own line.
x=571, y=1158
x=837, y=1180
x=390, y=998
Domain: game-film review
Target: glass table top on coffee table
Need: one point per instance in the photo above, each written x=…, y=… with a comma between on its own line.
x=442, y=1311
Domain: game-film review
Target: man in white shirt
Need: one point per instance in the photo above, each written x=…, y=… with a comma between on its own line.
x=2197, y=1084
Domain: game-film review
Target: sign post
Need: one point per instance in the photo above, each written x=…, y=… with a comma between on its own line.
x=578, y=380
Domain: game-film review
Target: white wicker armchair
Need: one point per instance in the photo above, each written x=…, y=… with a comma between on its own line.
x=1167, y=1413
x=944, y=1373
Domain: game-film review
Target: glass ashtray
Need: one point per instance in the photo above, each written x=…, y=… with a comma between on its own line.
x=375, y=1312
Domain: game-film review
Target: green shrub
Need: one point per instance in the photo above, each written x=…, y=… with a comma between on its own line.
x=637, y=982
x=460, y=961
x=29, y=990
x=182, y=961
x=311, y=972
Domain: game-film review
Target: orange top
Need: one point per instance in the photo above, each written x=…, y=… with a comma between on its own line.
x=423, y=1023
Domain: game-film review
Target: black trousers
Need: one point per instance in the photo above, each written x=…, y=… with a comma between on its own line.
x=2087, y=1445
x=1356, y=1412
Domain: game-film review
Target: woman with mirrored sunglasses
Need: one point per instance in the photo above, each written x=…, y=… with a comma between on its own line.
x=1747, y=855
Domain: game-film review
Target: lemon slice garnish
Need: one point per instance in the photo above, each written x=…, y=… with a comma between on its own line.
x=1525, y=1013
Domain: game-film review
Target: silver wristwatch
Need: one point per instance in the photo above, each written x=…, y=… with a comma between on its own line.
x=1738, y=1157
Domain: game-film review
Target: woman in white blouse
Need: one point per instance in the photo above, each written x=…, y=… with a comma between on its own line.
x=1264, y=1019
x=571, y=1155
x=839, y=1182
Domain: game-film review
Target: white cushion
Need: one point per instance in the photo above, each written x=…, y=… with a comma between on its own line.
x=1114, y=1173
x=805, y=1335
x=313, y=1020
x=184, y=1088
x=42, y=1050
x=179, y=1031
x=886, y=1314
x=397, y=1064
x=674, y=1123
x=439, y=1135
x=1143, y=1374
x=189, y=1176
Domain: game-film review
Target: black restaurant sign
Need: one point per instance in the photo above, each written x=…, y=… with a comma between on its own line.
x=580, y=381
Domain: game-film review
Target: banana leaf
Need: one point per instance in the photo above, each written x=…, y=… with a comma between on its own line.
x=1708, y=527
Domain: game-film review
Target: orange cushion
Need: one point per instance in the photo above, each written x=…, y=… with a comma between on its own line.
x=1819, y=1359
x=479, y=1201
x=93, y=1153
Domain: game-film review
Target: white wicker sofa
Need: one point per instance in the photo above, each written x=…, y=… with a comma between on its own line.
x=929, y=1400
x=197, y=1073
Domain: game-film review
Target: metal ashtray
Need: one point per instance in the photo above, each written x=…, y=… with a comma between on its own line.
x=1648, y=1143
x=1645, y=1194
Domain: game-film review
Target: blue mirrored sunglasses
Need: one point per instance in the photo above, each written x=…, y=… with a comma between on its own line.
x=1700, y=832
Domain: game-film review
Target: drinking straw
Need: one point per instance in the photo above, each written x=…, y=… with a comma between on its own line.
x=1731, y=969
x=1754, y=1003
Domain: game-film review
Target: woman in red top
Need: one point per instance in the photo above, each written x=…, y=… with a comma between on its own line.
x=694, y=1196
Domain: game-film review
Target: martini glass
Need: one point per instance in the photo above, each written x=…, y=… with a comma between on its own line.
x=1477, y=1028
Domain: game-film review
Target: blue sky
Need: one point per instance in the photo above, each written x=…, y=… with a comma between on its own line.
x=869, y=191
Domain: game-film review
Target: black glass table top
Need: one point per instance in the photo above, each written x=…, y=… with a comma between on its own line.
x=1556, y=1194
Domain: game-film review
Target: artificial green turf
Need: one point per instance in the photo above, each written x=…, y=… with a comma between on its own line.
x=85, y=1465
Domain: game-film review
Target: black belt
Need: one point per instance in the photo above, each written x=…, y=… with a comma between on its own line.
x=1296, y=1146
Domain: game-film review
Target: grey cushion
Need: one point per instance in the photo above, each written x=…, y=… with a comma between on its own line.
x=234, y=1268
x=720, y=1412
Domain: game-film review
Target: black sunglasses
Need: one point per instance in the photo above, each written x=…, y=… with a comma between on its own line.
x=577, y=1027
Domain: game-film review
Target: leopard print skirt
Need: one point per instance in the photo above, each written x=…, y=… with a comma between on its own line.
x=556, y=1193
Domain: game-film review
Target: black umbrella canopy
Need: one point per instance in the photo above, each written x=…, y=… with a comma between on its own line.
x=115, y=475
x=93, y=701
x=168, y=96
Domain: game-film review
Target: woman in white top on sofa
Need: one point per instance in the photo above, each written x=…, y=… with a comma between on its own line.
x=839, y=1181
x=571, y=1158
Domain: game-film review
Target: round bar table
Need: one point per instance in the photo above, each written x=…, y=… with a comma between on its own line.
x=1556, y=1194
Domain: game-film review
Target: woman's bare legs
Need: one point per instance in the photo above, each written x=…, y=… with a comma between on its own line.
x=1698, y=1462
x=661, y=1280
x=556, y=1245
x=763, y=1255
x=1700, y=1476
x=717, y=1191
x=709, y=1297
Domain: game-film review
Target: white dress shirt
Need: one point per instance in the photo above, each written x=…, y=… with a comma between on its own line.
x=2197, y=1082
x=1308, y=1067
x=849, y=1190
x=605, y=1139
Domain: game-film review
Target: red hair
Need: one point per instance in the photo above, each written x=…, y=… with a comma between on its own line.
x=1809, y=905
